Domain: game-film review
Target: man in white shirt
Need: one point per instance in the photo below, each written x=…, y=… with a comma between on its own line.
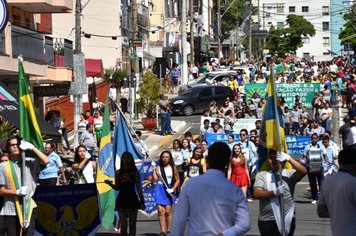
x=351, y=137
x=337, y=196
x=221, y=207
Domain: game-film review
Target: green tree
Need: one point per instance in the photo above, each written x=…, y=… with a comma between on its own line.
x=349, y=32
x=232, y=16
x=116, y=77
x=287, y=40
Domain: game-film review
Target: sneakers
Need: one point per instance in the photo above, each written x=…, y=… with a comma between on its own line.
x=314, y=202
x=249, y=199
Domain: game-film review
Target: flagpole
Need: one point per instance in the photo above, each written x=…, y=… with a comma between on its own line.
x=132, y=130
x=279, y=147
x=23, y=154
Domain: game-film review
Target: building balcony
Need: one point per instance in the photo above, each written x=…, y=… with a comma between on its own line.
x=38, y=52
x=43, y=6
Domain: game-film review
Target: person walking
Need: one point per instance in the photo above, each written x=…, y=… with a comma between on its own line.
x=87, y=139
x=337, y=197
x=167, y=179
x=313, y=156
x=195, y=165
x=267, y=189
x=210, y=204
x=130, y=197
x=238, y=169
x=10, y=173
x=49, y=173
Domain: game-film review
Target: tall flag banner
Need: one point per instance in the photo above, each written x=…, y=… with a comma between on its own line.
x=29, y=131
x=106, y=170
x=123, y=141
x=29, y=128
x=268, y=135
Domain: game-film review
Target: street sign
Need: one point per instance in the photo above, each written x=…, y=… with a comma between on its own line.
x=80, y=82
x=49, y=91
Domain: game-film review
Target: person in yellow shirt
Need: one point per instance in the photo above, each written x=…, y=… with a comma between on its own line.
x=233, y=84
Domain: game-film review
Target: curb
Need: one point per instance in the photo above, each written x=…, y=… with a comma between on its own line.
x=167, y=139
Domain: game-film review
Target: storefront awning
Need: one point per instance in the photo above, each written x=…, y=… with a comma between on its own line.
x=94, y=67
x=9, y=109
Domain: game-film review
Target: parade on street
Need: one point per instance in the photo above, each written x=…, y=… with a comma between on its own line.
x=177, y=118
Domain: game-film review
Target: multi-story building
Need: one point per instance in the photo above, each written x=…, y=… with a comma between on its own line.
x=47, y=60
x=100, y=31
x=318, y=47
x=166, y=27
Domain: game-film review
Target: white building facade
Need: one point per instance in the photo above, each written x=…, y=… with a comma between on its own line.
x=317, y=12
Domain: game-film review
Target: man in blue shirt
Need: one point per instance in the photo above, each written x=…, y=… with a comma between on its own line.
x=221, y=207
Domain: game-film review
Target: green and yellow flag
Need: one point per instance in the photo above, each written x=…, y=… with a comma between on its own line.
x=106, y=170
x=29, y=128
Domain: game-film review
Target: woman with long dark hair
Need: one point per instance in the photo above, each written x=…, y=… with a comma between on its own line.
x=167, y=178
x=238, y=169
x=130, y=197
x=84, y=164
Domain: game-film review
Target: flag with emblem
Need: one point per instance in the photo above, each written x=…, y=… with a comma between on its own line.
x=272, y=132
x=123, y=141
x=106, y=171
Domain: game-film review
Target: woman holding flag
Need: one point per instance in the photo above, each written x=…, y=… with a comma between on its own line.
x=130, y=197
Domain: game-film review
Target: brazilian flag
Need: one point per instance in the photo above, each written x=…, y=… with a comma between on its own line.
x=106, y=170
x=29, y=128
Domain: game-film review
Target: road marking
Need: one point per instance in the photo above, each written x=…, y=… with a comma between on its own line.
x=302, y=183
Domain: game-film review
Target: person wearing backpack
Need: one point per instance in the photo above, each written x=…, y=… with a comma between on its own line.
x=313, y=155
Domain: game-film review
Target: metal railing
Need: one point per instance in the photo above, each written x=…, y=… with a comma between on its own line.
x=37, y=47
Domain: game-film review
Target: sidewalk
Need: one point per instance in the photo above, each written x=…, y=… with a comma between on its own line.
x=153, y=139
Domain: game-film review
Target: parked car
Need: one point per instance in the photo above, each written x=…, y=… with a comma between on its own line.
x=214, y=77
x=243, y=69
x=197, y=98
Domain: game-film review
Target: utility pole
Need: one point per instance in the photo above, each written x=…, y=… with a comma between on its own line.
x=133, y=64
x=218, y=20
x=250, y=35
x=191, y=32
x=184, y=72
x=79, y=70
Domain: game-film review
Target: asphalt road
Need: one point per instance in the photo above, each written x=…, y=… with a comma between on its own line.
x=307, y=221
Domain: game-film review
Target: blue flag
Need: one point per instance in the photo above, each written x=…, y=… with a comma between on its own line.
x=271, y=122
x=123, y=142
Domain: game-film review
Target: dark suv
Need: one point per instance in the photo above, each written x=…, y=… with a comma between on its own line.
x=197, y=98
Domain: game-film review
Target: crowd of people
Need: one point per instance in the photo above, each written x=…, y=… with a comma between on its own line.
x=212, y=185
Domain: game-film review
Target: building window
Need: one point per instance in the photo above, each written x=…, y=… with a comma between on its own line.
x=306, y=55
x=326, y=53
x=325, y=26
x=326, y=41
x=280, y=25
x=305, y=9
x=280, y=9
x=306, y=40
x=325, y=10
x=291, y=9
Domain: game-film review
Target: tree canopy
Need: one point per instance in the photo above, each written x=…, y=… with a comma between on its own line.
x=281, y=41
x=349, y=30
x=232, y=16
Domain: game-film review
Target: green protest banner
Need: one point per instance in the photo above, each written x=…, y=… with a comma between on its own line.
x=288, y=91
